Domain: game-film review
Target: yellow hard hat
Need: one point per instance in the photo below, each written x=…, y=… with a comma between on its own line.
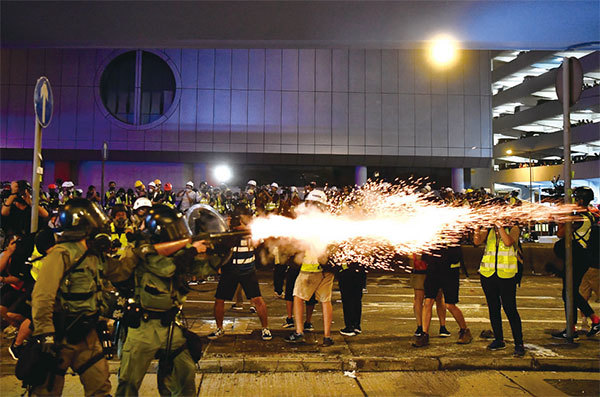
x=157, y=182
x=138, y=184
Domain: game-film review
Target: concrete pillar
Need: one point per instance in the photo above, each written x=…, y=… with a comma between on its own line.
x=458, y=179
x=360, y=175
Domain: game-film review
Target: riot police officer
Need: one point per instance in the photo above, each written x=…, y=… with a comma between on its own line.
x=160, y=293
x=67, y=299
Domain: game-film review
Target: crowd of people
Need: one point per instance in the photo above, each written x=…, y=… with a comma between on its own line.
x=128, y=256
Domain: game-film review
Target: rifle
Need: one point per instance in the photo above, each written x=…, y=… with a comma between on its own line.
x=217, y=242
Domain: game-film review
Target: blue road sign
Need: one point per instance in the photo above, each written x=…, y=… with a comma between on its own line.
x=43, y=101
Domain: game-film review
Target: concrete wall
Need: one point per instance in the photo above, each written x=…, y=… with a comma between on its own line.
x=296, y=101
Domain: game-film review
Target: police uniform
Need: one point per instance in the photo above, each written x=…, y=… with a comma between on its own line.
x=160, y=298
x=66, y=302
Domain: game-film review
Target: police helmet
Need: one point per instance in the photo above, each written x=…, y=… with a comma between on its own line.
x=584, y=194
x=79, y=219
x=163, y=224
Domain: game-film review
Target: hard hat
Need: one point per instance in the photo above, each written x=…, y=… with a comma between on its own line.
x=142, y=202
x=163, y=224
x=251, y=182
x=168, y=187
x=79, y=219
x=157, y=182
x=52, y=186
x=138, y=184
x=67, y=184
x=190, y=184
x=152, y=184
x=275, y=185
x=294, y=189
x=317, y=196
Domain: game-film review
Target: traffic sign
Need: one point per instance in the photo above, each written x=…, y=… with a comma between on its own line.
x=575, y=81
x=43, y=101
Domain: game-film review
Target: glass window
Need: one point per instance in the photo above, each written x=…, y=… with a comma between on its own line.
x=140, y=103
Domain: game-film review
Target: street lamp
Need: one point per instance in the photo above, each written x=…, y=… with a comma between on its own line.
x=222, y=173
x=443, y=51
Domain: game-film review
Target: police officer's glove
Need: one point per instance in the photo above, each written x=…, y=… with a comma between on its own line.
x=48, y=346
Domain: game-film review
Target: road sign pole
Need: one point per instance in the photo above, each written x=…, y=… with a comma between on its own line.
x=104, y=157
x=36, y=177
x=566, y=101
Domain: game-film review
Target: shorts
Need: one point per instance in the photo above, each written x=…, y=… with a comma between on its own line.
x=589, y=283
x=14, y=300
x=290, y=280
x=318, y=283
x=417, y=280
x=447, y=281
x=229, y=281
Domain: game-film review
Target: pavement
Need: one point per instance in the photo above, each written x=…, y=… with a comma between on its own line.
x=384, y=347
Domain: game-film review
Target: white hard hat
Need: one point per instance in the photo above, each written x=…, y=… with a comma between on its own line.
x=294, y=189
x=317, y=196
x=251, y=182
x=67, y=184
x=142, y=202
x=152, y=184
x=190, y=183
x=274, y=184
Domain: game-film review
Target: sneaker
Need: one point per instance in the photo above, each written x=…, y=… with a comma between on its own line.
x=347, y=331
x=235, y=306
x=357, y=330
x=266, y=334
x=252, y=309
x=464, y=336
x=487, y=334
x=216, y=334
x=496, y=345
x=563, y=334
x=289, y=323
x=519, y=351
x=327, y=341
x=15, y=350
x=421, y=341
x=594, y=329
x=294, y=338
x=444, y=333
x=419, y=331
x=308, y=327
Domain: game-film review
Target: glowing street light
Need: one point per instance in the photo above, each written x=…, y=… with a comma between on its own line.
x=443, y=51
x=509, y=151
x=222, y=173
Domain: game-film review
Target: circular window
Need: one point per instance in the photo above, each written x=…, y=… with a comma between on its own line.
x=137, y=87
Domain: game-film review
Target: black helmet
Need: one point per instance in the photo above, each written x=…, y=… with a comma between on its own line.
x=79, y=219
x=118, y=208
x=584, y=194
x=164, y=224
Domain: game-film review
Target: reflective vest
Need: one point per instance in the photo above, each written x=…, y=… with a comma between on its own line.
x=218, y=205
x=310, y=263
x=271, y=206
x=498, y=258
x=36, y=263
x=455, y=265
x=122, y=237
x=583, y=233
x=169, y=200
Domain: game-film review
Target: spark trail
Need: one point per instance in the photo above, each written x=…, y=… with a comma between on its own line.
x=380, y=222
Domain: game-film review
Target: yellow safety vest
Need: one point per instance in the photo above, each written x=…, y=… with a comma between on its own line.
x=310, y=263
x=122, y=237
x=36, y=263
x=583, y=233
x=498, y=258
x=271, y=206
